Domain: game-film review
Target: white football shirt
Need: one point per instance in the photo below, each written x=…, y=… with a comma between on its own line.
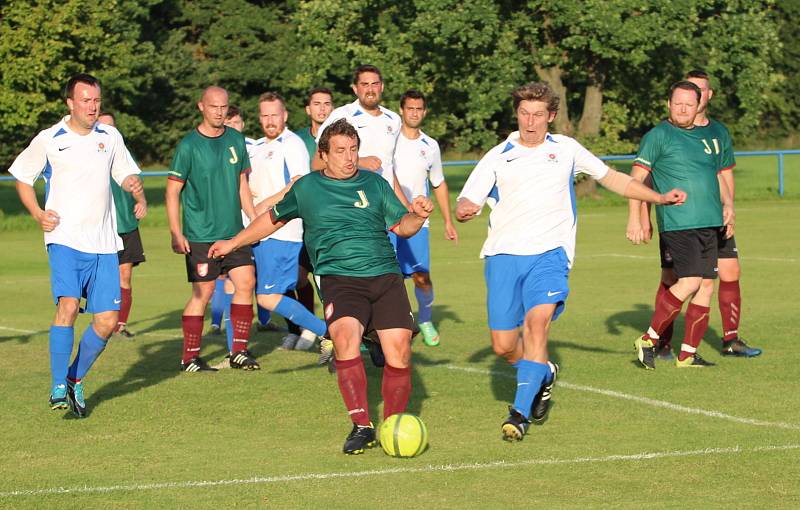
x=535, y=210
x=77, y=170
x=273, y=163
x=378, y=134
x=415, y=163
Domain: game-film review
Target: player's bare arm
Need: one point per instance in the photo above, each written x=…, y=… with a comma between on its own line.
x=48, y=219
x=370, y=163
x=260, y=228
x=728, y=212
x=442, y=194
x=267, y=204
x=466, y=210
x=172, y=201
x=133, y=184
x=246, y=197
x=411, y=222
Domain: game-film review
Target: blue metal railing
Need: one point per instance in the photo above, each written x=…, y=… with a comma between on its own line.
x=614, y=157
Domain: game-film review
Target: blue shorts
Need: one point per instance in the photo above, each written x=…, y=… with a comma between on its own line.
x=414, y=253
x=276, y=265
x=517, y=283
x=77, y=274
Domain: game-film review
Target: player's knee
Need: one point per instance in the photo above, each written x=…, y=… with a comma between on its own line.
x=66, y=311
x=729, y=270
x=104, y=324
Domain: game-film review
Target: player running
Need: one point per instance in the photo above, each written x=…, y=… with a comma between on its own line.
x=78, y=157
x=208, y=177
x=345, y=213
x=417, y=160
x=531, y=241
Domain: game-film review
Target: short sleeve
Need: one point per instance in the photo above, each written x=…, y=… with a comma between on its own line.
x=649, y=151
x=728, y=159
x=286, y=209
x=480, y=181
x=123, y=163
x=296, y=158
x=393, y=209
x=588, y=163
x=181, y=164
x=31, y=162
x=436, y=173
x=335, y=115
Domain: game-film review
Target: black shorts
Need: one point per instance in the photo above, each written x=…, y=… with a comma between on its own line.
x=726, y=248
x=199, y=268
x=690, y=252
x=132, y=251
x=378, y=302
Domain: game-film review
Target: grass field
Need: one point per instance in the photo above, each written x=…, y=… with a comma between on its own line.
x=617, y=436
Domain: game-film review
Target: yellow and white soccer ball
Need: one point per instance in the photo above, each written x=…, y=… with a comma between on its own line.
x=403, y=435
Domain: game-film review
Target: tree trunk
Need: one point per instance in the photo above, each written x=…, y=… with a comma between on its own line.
x=552, y=75
x=589, y=124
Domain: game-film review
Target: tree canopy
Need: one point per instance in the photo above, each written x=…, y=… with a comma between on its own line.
x=611, y=62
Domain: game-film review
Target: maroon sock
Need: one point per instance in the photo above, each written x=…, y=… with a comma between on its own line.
x=353, y=386
x=730, y=303
x=696, y=326
x=665, y=337
x=667, y=308
x=192, y=336
x=124, y=307
x=396, y=389
x=241, y=320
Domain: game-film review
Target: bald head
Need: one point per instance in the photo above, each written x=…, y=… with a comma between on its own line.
x=214, y=107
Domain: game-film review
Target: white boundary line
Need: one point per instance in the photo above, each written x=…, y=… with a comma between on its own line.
x=473, y=466
x=642, y=400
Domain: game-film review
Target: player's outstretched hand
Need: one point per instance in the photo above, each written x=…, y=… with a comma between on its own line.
x=674, y=197
x=180, y=244
x=220, y=249
x=140, y=210
x=49, y=220
x=728, y=220
x=635, y=233
x=466, y=210
x=133, y=185
x=370, y=163
x=422, y=206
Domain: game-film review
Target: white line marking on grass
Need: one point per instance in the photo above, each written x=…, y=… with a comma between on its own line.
x=16, y=330
x=642, y=400
x=472, y=466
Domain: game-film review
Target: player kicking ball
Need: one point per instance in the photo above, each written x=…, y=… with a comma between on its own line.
x=531, y=242
x=345, y=213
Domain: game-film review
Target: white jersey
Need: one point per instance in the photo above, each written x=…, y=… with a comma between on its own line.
x=77, y=170
x=415, y=163
x=535, y=210
x=273, y=163
x=378, y=134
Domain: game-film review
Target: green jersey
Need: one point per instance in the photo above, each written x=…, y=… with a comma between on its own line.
x=309, y=140
x=720, y=140
x=688, y=159
x=123, y=203
x=344, y=222
x=210, y=169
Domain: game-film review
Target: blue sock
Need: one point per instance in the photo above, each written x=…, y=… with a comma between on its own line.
x=297, y=313
x=425, y=302
x=263, y=315
x=530, y=376
x=218, y=303
x=89, y=349
x=228, y=326
x=61, y=340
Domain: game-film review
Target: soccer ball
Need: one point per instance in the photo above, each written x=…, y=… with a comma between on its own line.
x=403, y=435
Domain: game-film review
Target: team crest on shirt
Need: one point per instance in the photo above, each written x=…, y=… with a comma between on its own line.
x=101, y=147
x=552, y=158
x=202, y=269
x=329, y=311
x=389, y=129
x=269, y=154
x=422, y=152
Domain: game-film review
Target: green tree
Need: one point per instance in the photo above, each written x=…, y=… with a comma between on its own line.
x=44, y=42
